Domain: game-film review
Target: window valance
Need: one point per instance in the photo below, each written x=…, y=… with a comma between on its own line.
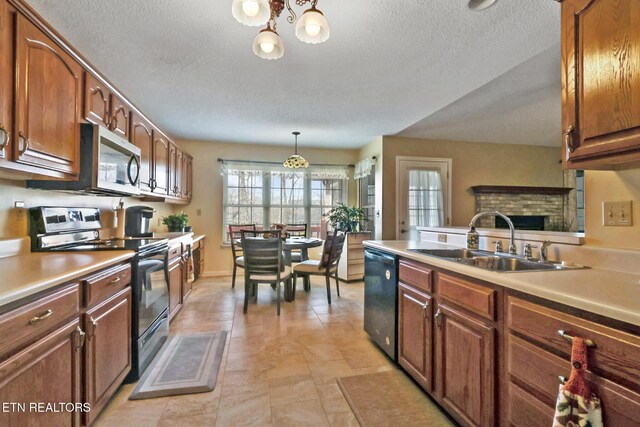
x=236, y=167
x=363, y=168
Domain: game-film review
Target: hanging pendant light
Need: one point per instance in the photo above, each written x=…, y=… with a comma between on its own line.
x=296, y=161
x=312, y=27
x=268, y=44
x=253, y=13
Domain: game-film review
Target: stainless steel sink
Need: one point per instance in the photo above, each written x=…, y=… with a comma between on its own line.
x=493, y=262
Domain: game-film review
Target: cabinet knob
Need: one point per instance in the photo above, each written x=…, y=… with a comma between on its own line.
x=5, y=136
x=25, y=145
x=568, y=139
x=438, y=318
x=40, y=318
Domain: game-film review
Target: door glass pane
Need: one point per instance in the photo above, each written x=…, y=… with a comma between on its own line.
x=426, y=206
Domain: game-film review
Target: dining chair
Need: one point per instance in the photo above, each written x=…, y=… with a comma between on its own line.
x=263, y=263
x=327, y=266
x=235, y=231
x=296, y=230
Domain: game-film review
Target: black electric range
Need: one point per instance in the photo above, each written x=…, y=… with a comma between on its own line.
x=61, y=229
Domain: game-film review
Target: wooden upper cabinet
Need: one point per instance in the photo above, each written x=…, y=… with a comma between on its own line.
x=102, y=107
x=96, y=101
x=173, y=155
x=601, y=83
x=465, y=367
x=142, y=137
x=179, y=165
x=187, y=176
x=120, y=117
x=160, y=180
x=48, y=101
x=6, y=78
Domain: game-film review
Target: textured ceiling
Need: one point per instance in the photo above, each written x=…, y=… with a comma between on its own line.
x=189, y=66
x=522, y=106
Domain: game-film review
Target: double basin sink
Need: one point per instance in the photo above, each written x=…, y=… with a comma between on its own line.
x=492, y=261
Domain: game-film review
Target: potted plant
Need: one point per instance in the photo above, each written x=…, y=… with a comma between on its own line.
x=344, y=218
x=176, y=222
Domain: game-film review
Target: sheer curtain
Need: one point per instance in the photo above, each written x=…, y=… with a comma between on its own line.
x=426, y=201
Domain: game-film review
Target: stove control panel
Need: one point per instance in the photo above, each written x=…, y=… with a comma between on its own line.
x=46, y=220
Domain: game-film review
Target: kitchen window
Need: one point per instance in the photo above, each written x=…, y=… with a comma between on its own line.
x=264, y=194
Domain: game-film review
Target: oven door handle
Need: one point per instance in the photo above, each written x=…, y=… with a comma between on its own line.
x=132, y=180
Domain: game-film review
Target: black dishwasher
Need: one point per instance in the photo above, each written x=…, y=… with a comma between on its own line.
x=380, y=299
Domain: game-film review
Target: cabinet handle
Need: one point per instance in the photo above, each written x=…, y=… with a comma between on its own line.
x=114, y=281
x=568, y=138
x=114, y=122
x=37, y=319
x=26, y=143
x=569, y=338
x=563, y=380
x=438, y=317
x=5, y=138
x=93, y=321
x=80, y=336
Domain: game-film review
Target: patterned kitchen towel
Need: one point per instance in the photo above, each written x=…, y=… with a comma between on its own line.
x=577, y=406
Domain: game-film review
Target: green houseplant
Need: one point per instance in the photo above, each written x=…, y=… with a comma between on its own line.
x=176, y=222
x=344, y=218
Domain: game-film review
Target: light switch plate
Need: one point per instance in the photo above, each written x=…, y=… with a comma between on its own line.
x=617, y=214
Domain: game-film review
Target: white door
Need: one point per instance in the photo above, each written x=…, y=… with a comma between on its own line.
x=423, y=196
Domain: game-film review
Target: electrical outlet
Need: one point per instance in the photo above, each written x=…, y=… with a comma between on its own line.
x=20, y=211
x=442, y=238
x=617, y=214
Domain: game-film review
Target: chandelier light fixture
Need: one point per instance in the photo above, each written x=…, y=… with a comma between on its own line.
x=312, y=27
x=295, y=161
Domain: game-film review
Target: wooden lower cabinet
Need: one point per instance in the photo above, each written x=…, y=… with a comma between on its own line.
x=107, y=354
x=415, y=335
x=465, y=366
x=46, y=372
x=176, y=274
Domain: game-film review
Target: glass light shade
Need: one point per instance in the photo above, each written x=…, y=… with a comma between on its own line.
x=268, y=45
x=248, y=15
x=312, y=27
x=295, y=161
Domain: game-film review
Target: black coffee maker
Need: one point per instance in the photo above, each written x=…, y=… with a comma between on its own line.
x=138, y=221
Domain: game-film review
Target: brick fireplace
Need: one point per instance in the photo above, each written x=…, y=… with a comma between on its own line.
x=530, y=205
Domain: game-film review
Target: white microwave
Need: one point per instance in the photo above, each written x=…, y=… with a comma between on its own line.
x=109, y=165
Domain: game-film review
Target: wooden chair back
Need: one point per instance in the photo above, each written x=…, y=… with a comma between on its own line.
x=262, y=253
x=332, y=250
x=235, y=233
x=297, y=230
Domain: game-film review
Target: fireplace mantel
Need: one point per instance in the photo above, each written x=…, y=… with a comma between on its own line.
x=510, y=189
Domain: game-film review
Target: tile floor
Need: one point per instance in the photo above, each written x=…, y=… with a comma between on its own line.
x=278, y=371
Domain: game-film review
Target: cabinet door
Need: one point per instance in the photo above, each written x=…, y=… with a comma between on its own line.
x=175, y=287
x=142, y=137
x=465, y=367
x=173, y=154
x=6, y=78
x=160, y=182
x=177, y=190
x=415, y=335
x=601, y=81
x=96, y=101
x=187, y=176
x=48, y=100
x=107, y=350
x=120, y=117
x=48, y=372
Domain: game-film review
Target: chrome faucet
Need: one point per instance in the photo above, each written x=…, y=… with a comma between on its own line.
x=544, y=252
x=512, y=244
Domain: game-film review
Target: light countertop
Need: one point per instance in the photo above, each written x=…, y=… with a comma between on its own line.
x=604, y=292
x=31, y=273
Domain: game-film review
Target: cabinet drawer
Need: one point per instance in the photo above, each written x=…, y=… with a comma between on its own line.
x=416, y=275
x=616, y=355
x=38, y=317
x=357, y=238
x=476, y=298
x=175, y=252
x=106, y=283
x=527, y=411
x=356, y=254
x=539, y=370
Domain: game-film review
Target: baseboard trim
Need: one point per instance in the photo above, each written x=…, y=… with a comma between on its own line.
x=215, y=273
